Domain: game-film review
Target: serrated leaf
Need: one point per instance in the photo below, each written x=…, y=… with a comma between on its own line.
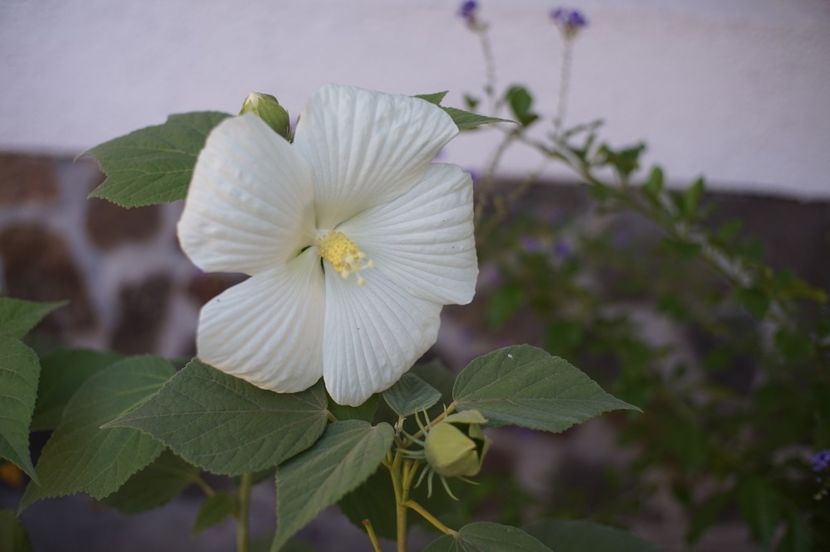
x=347, y=454
x=18, y=317
x=411, y=394
x=215, y=509
x=13, y=537
x=61, y=374
x=525, y=386
x=154, y=164
x=154, y=486
x=226, y=425
x=521, y=102
x=487, y=537
x=81, y=456
x=434, y=98
x=467, y=120
x=19, y=372
x=579, y=536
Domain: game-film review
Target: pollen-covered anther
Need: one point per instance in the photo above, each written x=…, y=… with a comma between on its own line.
x=343, y=255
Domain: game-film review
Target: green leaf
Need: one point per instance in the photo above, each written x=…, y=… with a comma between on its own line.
x=373, y=500
x=215, y=509
x=579, y=536
x=755, y=300
x=691, y=198
x=411, y=394
x=348, y=453
x=226, y=425
x=13, y=537
x=467, y=120
x=654, y=185
x=19, y=372
x=365, y=411
x=154, y=486
x=81, y=456
x=18, y=317
x=760, y=506
x=487, y=537
x=154, y=164
x=525, y=386
x=521, y=102
x=434, y=98
x=61, y=374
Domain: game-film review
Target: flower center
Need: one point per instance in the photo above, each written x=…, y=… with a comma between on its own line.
x=343, y=255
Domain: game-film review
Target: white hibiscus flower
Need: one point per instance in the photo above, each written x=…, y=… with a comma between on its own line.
x=353, y=238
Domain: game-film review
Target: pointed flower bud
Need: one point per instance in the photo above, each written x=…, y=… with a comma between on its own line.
x=269, y=110
x=456, y=447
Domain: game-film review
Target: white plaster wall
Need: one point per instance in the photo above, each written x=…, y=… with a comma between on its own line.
x=738, y=90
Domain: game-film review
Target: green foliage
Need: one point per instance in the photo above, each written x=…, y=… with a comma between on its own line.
x=226, y=425
x=365, y=411
x=485, y=537
x=18, y=317
x=760, y=506
x=434, y=98
x=81, y=456
x=154, y=164
x=13, y=537
x=373, y=500
x=464, y=120
x=19, y=371
x=411, y=394
x=154, y=486
x=582, y=536
x=525, y=386
x=347, y=454
x=521, y=104
x=61, y=373
x=215, y=509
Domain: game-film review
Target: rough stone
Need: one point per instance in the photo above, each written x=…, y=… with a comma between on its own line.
x=38, y=265
x=142, y=309
x=27, y=179
x=109, y=225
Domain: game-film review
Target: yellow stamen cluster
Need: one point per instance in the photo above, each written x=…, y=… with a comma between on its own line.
x=343, y=255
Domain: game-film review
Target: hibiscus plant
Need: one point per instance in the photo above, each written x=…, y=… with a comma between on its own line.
x=353, y=239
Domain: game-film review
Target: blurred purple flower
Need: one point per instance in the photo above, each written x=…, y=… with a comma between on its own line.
x=562, y=250
x=821, y=460
x=569, y=21
x=531, y=244
x=468, y=10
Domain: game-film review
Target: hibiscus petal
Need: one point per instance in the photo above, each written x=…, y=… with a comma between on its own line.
x=366, y=148
x=424, y=240
x=250, y=201
x=268, y=329
x=373, y=334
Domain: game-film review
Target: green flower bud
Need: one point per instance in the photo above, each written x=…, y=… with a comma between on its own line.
x=456, y=447
x=269, y=110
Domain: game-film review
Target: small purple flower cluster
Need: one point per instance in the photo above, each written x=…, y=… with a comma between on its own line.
x=569, y=21
x=821, y=461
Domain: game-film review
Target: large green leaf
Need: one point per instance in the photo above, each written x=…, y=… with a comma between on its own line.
x=487, y=537
x=61, y=374
x=18, y=317
x=81, y=456
x=525, y=386
x=19, y=371
x=579, y=536
x=226, y=425
x=373, y=500
x=411, y=394
x=154, y=164
x=13, y=537
x=215, y=509
x=155, y=485
x=348, y=453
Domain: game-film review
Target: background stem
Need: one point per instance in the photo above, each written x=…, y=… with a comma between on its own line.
x=245, y=483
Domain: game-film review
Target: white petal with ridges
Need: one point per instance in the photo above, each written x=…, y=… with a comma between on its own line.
x=268, y=329
x=366, y=148
x=424, y=240
x=372, y=334
x=249, y=206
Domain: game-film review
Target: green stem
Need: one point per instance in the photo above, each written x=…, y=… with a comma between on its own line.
x=245, y=483
x=400, y=497
x=203, y=485
x=412, y=505
x=373, y=538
